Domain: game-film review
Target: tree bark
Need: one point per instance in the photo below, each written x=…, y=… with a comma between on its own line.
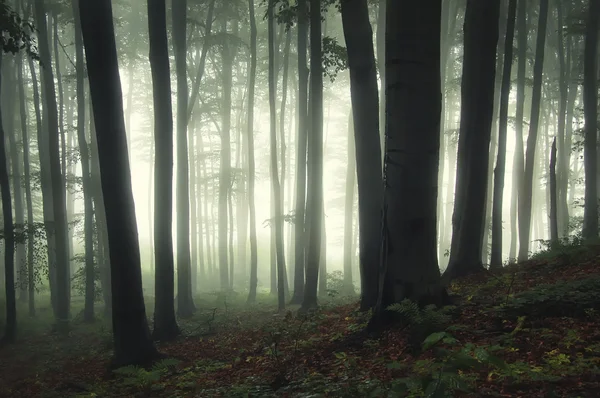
x=499, y=173
x=133, y=344
x=364, y=97
x=413, y=111
x=477, y=103
x=165, y=324
x=63, y=295
x=526, y=190
x=590, y=111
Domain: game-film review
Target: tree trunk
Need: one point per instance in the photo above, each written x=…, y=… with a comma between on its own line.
x=477, y=103
x=133, y=344
x=413, y=111
x=553, y=195
x=90, y=294
x=590, y=110
x=363, y=88
x=165, y=324
x=225, y=166
x=526, y=190
x=9, y=237
x=314, y=205
x=499, y=173
x=56, y=177
x=301, y=148
x=519, y=157
x=349, y=209
x=185, y=301
x=28, y=200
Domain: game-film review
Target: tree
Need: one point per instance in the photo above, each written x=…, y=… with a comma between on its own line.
x=278, y=219
x=314, y=205
x=526, y=190
x=185, y=301
x=349, y=209
x=477, y=105
x=90, y=295
x=300, y=233
x=165, y=324
x=365, y=109
x=56, y=178
x=9, y=234
x=251, y=161
x=590, y=110
x=499, y=173
x=133, y=344
x=413, y=111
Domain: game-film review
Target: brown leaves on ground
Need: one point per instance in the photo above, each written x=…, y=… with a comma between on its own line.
x=256, y=353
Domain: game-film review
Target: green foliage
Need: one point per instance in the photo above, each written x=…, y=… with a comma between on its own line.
x=448, y=371
x=422, y=321
x=572, y=298
x=16, y=34
x=78, y=281
x=567, y=246
x=136, y=377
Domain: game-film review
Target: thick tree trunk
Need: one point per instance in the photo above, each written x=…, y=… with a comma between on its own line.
x=590, y=110
x=133, y=344
x=363, y=88
x=413, y=111
x=477, y=102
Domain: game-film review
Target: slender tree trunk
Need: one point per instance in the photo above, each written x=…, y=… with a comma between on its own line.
x=9, y=237
x=90, y=294
x=56, y=177
x=165, y=324
x=349, y=209
x=314, y=203
x=27, y=176
x=519, y=156
x=590, y=110
x=499, y=173
x=526, y=190
x=185, y=301
x=251, y=162
x=301, y=148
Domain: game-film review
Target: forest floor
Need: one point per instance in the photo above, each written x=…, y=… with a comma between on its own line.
x=531, y=330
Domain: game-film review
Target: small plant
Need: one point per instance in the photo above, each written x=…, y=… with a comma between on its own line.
x=448, y=371
x=422, y=321
x=136, y=377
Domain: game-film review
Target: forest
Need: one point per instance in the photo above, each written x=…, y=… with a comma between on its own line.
x=299, y=198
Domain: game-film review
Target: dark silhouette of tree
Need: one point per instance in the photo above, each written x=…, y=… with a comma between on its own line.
x=165, y=324
x=365, y=109
x=133, y=344
x=413, y=110
x=477, y=105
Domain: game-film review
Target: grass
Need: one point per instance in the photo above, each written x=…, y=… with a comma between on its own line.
x=530, y=330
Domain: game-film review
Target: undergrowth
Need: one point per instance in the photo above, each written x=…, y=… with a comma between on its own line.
x=530, y=330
